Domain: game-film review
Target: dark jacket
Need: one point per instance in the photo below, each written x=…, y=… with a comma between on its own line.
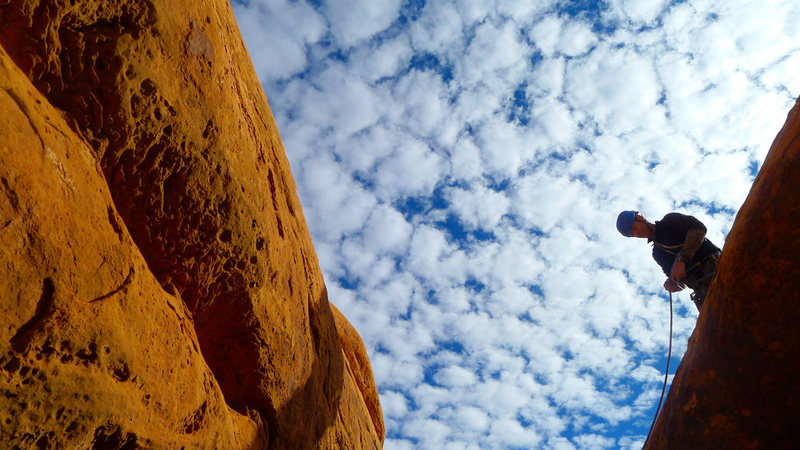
x=669, y=237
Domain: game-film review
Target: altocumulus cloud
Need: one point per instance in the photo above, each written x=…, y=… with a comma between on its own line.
x=461, y=165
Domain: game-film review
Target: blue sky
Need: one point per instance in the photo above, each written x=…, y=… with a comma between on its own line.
x=461, y=165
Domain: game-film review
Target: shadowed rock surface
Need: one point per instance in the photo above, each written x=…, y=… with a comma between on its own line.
x=738, y=383
x=159, y=285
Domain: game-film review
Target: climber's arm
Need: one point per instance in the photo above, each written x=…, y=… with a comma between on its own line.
x=672, y=286
x=694, y=239
x=692, y=242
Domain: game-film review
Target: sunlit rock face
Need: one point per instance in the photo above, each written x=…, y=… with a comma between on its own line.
x=738, y=385
x=159, y=285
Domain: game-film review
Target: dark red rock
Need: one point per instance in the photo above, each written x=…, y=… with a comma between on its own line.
x=738, y=385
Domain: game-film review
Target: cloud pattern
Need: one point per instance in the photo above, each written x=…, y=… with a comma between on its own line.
x=461, y=165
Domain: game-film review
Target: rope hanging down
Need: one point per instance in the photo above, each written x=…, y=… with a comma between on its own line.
x=666, y=374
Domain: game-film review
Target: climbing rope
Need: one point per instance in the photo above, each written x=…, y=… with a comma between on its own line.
x=666, y=374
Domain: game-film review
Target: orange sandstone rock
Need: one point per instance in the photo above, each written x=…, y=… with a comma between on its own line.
x=359, y=367
x=163, y=95
x=92, y=350
x=737, y=385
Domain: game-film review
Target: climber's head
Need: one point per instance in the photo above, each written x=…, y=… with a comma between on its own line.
x=625, y=221
x=632, y=224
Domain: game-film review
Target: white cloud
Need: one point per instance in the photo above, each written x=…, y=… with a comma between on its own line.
x=465, y=160
x=382, y=59
x=455, y=376
x=425, y=99
x=394, y=373
x=783, y=75
x=523, y=12
x=515, y=261
x=355, y=21
x=393, y=404
x=639, y=12
x=548, y=77
x=399, y=444
x=546, y=34
x=510, y=300
x=479, y=207
x=506, y=147
x=576, y=39
x=499, y=397
x=438, y=28
x=386, y=230
x=455, y=299
x=341, y=203
x=474, y=11
x=555, y=121
x=472, y=418
x=618, y=88
x=374, y=144
x=285, y=28
x=530, y=323
x=348, y=108
x=412, y=169
x=511, y=433
x=495, y=51
x=543, y=201
x=431, y=433
x=560, y=444
x=594, y=441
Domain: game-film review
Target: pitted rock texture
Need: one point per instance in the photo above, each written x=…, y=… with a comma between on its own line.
x=93, y=352
x=162, y=99
x=737, y=385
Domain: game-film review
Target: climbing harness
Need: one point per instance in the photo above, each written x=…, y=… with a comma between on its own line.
x=666, y=374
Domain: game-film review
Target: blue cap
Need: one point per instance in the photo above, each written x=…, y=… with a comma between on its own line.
x=625, y=222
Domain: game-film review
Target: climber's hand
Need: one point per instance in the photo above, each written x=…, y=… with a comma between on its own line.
x=678, y=271
x=672, y=286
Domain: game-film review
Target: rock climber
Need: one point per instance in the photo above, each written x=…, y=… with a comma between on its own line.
x=680, y=247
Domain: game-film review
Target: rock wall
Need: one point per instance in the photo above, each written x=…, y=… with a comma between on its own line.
x=159, y=282
x=737, y=385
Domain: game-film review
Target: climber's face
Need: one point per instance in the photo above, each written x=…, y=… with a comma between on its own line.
x=640, y=228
